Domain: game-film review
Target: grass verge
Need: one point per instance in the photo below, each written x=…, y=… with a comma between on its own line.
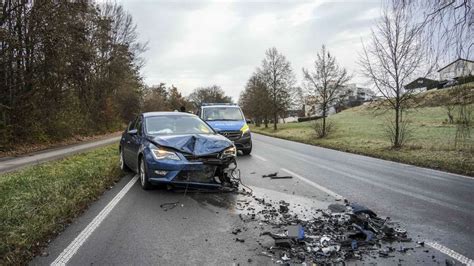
x=360, y=130
x=38, y=202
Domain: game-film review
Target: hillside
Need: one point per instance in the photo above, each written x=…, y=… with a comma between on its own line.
x=361, y=130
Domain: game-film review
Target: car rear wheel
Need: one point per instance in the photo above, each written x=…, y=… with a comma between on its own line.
x=143, y=176
x=247, y=151
x=123, y=165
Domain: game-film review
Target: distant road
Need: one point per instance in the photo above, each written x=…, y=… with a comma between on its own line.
x=8, y=165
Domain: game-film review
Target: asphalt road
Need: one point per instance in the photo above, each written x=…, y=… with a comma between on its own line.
x=15, y=163
x=433, y=206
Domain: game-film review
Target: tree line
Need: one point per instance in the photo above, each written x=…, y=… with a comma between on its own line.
x=271, y=91
x=73, y=68
x=66, y=67
x=162, y=98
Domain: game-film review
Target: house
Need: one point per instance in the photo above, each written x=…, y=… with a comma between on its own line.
x=421, y=85
x=351, y=96
x=358, y=94
x=291, y=115
x=458, y=68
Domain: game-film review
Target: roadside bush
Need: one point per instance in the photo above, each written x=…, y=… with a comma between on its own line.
x=318, y=128
x=405, y=132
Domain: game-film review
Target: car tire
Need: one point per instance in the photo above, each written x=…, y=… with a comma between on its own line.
x=145, y=184
x=123, y=166
x=247, y=151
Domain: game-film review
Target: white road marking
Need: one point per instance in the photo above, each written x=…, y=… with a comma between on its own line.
x=259, y=157
x=311, y=183
x=453, y=254
x=68, y=252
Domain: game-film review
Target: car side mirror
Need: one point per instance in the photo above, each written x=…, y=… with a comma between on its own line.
x=133, y=131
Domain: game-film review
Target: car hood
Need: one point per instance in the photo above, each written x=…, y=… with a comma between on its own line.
x=226, y=125
x=196, y=144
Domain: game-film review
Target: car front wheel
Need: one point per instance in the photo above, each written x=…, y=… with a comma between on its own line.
x=146, y=185
x=247, y=151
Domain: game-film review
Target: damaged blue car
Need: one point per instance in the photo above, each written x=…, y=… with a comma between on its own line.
x=178, y=149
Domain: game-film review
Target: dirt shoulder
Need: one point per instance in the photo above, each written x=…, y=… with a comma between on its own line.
x=23, y=149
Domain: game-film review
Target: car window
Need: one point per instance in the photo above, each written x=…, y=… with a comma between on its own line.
x=222, y=113
x=176, y=124
x=139, y=126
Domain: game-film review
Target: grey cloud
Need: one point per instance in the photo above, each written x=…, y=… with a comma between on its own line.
x=189, y=51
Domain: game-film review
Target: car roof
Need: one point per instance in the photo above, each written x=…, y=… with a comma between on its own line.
x=149, y=114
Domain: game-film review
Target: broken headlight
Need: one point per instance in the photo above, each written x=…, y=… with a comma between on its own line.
x=231, y=151
x=162, y=154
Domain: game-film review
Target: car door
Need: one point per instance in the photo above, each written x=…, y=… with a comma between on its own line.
x=135, y=142
x=127, y=138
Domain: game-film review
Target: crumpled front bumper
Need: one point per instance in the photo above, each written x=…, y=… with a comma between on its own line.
x=195, y=172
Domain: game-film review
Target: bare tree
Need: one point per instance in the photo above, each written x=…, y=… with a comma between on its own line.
x=325, y=84
x=255, y=100
x=392, y=58
x=211, y=94
x=277, y=74
x=448, y=30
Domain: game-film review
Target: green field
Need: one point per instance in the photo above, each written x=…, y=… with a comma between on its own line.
x=38, y=202
x=361, y=130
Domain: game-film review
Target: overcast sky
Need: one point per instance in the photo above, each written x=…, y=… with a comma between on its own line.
x=193, y=44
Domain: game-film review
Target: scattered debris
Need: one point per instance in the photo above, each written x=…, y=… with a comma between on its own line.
x=275, y=176
x=344, y=231
x=281, y=177
x=239, y=240
x=170, y=205
x=236, y=231
x=270, y=175
x=284, y=208
x=296, y=232
x=420, y=243
x=285, y=257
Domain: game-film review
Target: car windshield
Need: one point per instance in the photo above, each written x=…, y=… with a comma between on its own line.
x=222, y=113
x=176, y=124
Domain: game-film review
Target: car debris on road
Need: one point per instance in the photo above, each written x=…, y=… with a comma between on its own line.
x=343, y=232
x=275, y=176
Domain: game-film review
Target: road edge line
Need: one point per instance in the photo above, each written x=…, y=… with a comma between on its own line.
x=309, y=182
x=74, y=246
x=259, y=157
x=453, y=254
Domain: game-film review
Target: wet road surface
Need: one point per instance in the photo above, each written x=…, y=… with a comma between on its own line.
x=432, y=205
